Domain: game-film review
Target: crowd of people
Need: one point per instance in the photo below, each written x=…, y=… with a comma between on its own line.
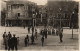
x=58, y=32
x=11, y=42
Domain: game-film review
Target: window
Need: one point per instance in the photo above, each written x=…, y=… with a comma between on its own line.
x=9, y=7
x=59, y=15
x=18, y=14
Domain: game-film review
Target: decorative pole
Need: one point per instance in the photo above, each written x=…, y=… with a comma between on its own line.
x=60, y=17
x=72, y=23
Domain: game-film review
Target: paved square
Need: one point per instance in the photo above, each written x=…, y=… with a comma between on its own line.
x=51, y=43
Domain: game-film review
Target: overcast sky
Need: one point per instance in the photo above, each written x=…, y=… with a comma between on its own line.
x=39, y=2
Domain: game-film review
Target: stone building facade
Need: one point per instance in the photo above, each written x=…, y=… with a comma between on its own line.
x=60, y=13
x=54, y=13
x=19, y=13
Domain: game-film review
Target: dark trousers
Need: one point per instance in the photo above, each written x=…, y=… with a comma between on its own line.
x=15, y=46
x=32, y=42
x=26, y=43
x=45, y=35
x=28, y=31
x=42, y=43
x=61, y=39
x=9, y=47
x=5, y=46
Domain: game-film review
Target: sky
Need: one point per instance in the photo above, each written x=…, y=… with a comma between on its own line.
x=39, y=2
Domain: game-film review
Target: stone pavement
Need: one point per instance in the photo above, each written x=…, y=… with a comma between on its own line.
x=51, y=43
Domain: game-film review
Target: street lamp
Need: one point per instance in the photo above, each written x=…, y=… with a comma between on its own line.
x=33, y=24
x=41, y=17
x=60, y=17
x=53, y=20
x=72, y=23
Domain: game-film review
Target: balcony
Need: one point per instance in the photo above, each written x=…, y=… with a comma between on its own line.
x=18, y=18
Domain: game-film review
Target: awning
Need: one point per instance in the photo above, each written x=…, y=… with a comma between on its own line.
x=19, y=18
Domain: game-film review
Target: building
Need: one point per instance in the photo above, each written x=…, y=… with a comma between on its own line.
x=60, y=13
x=41, y=18
x=54, y=13
x=19, y=13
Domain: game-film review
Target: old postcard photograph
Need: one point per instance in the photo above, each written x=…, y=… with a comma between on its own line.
x=39, y=25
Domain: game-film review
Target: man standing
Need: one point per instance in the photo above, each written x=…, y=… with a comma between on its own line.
x=53, y=31
x=28, y=29
x=27, y=40
x=24, y=26
x=4, y=36
x=42, y=40
x=9, y=44
x=45, y=32
x=9, y=35
x=32, y=39
x=42, y=33
x=14, y=42
x=61, y=36
x=6, y=42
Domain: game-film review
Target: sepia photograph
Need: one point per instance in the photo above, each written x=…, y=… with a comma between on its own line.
x=39, y=25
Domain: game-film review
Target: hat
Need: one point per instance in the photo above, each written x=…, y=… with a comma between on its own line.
x=4, y=32
x=13, y=34
x=8, y=32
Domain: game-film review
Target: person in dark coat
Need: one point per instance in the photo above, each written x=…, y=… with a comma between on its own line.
x=42, y=40
x=53, y=32
x=9, y=44
x=9, y=35
x=24, y=26
x=27, y=40
x=61, y=36
x=36, y=34
x=4, y=36
x=28, y=29
x=14, y=42
x=32, y=29
x=6, y=42
x=42, y=33
x=32, y=39
x=45, y=32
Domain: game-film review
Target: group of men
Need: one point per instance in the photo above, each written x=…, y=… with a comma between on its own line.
x=12, y=42
x=59, y=31
x=33, y=38
x=9, y=41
